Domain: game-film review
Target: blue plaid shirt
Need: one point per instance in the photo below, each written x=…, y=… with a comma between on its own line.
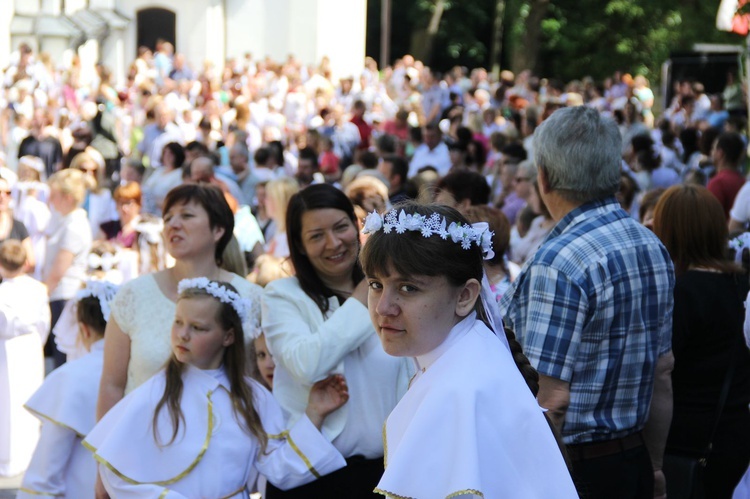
x=593, y=307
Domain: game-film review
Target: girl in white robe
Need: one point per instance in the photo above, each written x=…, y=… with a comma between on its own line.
x=66, y=405
x=200, y=428
x=24, y=325
x=469, y=425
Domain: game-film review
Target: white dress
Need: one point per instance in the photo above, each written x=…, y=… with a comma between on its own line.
x=24, y=325
x=66, y=405
x=470, y=427
x=146, y=315
x=212, y=455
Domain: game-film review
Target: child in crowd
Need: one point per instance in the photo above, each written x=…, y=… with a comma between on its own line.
x=200, y=415
x=66, y=405
x=24, y=324
x=469, y=418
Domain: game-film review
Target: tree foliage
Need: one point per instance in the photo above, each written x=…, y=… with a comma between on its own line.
x=566, y=39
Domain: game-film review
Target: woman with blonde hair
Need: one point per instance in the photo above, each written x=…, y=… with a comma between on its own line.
x=68, y=245
x=278, y=193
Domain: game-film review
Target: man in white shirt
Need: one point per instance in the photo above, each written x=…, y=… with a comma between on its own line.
x=432, y=152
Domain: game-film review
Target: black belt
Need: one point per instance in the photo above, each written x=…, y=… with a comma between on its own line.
x=593, y=450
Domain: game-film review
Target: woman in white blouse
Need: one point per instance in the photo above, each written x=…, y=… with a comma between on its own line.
x=316, y=324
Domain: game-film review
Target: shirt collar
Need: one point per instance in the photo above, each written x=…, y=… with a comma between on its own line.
x=586, y=210
x=423, y=362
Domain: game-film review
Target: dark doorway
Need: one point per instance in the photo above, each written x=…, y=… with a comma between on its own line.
x=154, y=24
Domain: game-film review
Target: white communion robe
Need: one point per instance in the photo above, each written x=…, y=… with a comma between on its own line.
x=470, y=427
x=24, y=324
x=212, y=456
x=66, y=404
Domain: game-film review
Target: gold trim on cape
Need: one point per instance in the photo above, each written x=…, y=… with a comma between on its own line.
x=176, y=478
x=285, y=435
x=454, y=494
x=53, y=421
x=36, y=492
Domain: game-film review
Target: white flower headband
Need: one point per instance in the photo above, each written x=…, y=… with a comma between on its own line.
x=101, y=290
x=244, y=307
x=467, y=235
x=106, y=262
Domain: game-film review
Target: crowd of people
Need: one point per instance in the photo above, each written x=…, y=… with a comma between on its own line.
x=408, y=265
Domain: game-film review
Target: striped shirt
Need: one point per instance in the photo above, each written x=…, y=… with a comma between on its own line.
x=593, y=307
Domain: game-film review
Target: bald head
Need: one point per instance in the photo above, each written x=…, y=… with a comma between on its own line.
x=202, y=169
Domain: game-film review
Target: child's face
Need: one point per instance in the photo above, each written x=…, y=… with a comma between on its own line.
x=197, y=338
x=413, y=315
x=264, y=359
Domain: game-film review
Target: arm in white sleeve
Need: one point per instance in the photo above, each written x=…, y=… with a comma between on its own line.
x=296, y=456
x=117, y=488
x=311, y=354
x=46, y=473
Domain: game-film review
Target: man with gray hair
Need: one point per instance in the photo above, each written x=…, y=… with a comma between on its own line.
x=593, y=311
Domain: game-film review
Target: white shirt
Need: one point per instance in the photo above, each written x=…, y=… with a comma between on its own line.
x=741, y=207
x=308, y=346
x=439, y=158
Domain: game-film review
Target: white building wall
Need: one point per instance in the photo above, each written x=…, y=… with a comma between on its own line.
x=245, y=24
x=341, y=35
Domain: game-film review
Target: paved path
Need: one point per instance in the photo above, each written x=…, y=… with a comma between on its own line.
x=9, y=486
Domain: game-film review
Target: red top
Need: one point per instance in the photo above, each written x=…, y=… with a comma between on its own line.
x=725, y=185
x=365, y=131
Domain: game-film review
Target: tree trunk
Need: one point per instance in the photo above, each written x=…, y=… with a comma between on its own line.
x=526, y=55
x=497, y=38
x=422, y=42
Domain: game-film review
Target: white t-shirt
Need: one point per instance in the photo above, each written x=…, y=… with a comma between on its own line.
x=741, y=207
x=72, y=233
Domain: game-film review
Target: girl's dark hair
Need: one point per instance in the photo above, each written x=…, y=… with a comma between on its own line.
x=234, y=361
x=411, y=254
x=315, y=197
x=178, y=151
x=89, y=312
x=213, y=202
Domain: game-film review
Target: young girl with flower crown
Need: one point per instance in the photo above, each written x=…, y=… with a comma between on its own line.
x=469, y=425
x=200, y=428
x=66, y=405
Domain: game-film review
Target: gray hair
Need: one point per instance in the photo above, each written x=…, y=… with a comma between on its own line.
x=579, y=151
x=241, y=148
x=528, y=168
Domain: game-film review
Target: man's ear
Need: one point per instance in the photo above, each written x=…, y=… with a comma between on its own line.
x=543, y=180
x=468, y=297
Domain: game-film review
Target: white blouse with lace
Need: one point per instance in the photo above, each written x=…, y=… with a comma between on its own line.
x=145, y=315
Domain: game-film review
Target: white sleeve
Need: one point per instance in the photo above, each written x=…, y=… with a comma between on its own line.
x=309, y=355
x=296, y=456
x=741, y=208
x=117, y=488
x=45, y=475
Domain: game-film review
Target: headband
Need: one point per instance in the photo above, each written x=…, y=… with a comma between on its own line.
x=477, y=233
x=101, y=290
x=243, y=306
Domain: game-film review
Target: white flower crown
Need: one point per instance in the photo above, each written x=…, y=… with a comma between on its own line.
x=106, y=262
x=101, y=290
x=738, y=244
x=466, y=235
x=243, y=306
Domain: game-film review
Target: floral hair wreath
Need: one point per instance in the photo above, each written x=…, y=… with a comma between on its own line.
x=245, y=308
x=101, y=290
x=477, y=233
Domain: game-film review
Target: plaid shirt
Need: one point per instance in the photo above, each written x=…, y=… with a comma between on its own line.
x=593, y=307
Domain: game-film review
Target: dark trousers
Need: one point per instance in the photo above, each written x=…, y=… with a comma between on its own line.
x=625, y=475
x=50, y=349
x=355, y=481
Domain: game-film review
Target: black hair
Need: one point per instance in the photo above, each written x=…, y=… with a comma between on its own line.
x=466, y=184
x=315, y=197
x=732, y=145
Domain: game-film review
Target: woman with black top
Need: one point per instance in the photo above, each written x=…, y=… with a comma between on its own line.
x=707, y=338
